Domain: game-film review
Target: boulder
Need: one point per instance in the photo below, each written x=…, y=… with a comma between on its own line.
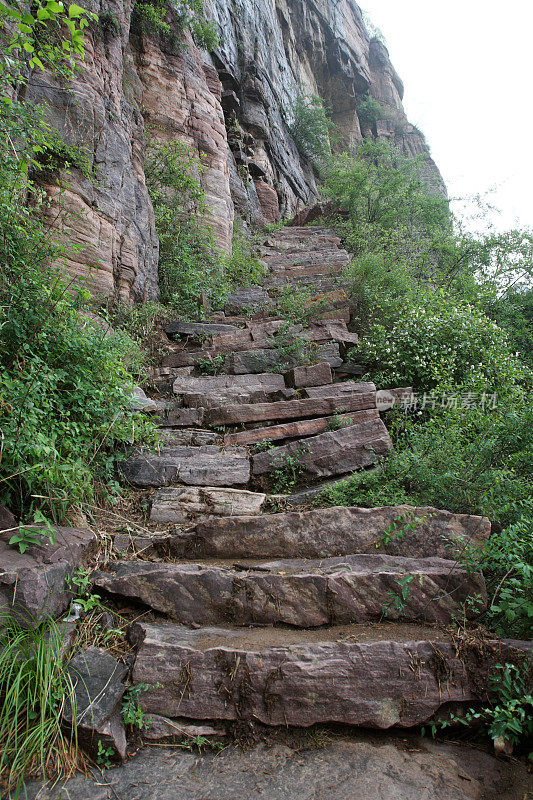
x=208, y=465
x=347, y=676
x=98, y=686
x=176, y=505
x=397, y=530
x=299, y=592
x=34, y=584
x=335, y=452
x=140, y=402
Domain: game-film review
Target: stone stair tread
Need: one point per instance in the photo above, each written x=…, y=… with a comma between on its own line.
x=302, y=593
x=375, y=680
x=263, y=358
x=207, y=465
x=181, y=328
x=334, y=452
x=341, y=389
x=175, y=505
x=289, y=409
x=299, y=428
x=339, y=530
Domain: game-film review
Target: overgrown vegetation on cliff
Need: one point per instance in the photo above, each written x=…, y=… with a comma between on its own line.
x=65, y=379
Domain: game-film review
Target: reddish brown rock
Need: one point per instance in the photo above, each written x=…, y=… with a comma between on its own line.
x=290, y=409
x=300, y=428
x=392, y=679
x=397, y=530
x=335, y=452
x=343, y=389
x=34, y=584
x=268, y=200
x=8, y=520
x=315, y=375
x=301, y=593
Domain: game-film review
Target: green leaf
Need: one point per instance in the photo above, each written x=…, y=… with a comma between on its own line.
x=75, y=11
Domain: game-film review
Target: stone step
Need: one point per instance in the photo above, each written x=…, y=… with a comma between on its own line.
x=311, y=258
x=341, y=389
x=170, y=437
x=300, y=592
x=246, y=299
x=208, y=465
x=335, y=452
x=197, y=329
x=209, y=391
x=302, y=231
x=289, y=409
x=299, y=428
x=325, y=532
x=253, y=360
x=314, y=375
x=379, y=676
x=179, y=504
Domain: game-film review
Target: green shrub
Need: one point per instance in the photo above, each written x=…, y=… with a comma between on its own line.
x=312, y=128
x=189, y=264
x=170, y=20
x=437, y=342
x=370, y=111
x=242, y=267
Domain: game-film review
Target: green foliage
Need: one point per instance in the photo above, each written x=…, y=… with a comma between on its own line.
x=189, y=264
x=109, y=23
x=104, y=755
x=438, y=342
x=131, y=713
x=289, y=472
x=509, y=712
x=467, y=460
x=34, y=687
x=56, y=154
x=27, y=36
x=312, y=128
x=297, y=304
x=514, y=313
x=170, y=18
x=211, y=365
x=64, y=383
x=28, y=536
x=370, y=111
x=242, y=267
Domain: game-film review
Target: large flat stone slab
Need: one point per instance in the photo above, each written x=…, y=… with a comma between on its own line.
x=335, y=452
x=300, y=428
x=177, y=505
x=208, y=465
x=33, y=585
x=289, y=409
x=347, y=676
x=211, y=391
x=200, y=330
x=307, y=765
x=314, y=375
x=397, y=530
x=299, y=592
x=270, y=358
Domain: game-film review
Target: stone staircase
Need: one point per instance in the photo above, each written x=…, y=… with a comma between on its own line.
x=287, y=617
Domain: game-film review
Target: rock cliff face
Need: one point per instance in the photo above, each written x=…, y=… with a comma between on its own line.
x=233, y=106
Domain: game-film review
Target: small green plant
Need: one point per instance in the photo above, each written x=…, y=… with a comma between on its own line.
x=289, y=471
x=262, y=446
x=104, y=755
x=370, y=111
x=400, y=527
x=397, y=600
x=509, y=714
x=109, y=23
x=34, y=687
x=80, y=583
x=201, y=743
x=210, y=365
x=131, y=713
x=337, y=421
x=27, y=536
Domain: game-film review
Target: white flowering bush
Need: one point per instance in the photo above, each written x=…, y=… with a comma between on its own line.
x=439, y=343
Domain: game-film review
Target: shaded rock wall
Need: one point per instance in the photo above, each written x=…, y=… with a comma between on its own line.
x=234, y=107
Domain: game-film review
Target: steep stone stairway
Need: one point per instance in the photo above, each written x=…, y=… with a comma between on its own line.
x=299, y=616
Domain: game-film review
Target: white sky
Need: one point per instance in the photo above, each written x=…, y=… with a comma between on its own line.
x=467, y=66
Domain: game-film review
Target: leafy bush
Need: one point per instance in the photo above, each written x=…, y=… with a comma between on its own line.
x=170, y=20
x=370, y=110
x=437, y=342
x=64, y=382
x=312, y=127
x=242, y=267
x=189, y=264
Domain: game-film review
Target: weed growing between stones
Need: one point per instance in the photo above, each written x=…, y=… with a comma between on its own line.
x=34, y=687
